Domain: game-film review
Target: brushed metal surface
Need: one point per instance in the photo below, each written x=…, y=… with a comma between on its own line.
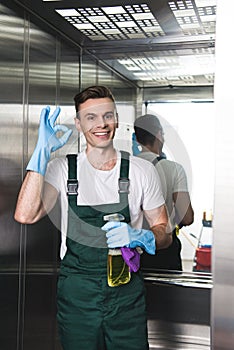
x=178, y=310
x=223, y=258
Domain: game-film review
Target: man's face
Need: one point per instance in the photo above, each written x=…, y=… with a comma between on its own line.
x=97, y=121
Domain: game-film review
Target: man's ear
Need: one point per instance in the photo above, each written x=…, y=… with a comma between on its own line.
x=77, y=124
x=117, y=120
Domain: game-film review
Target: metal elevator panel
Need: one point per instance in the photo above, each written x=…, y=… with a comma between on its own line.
x=178, y=310
x=11, y=131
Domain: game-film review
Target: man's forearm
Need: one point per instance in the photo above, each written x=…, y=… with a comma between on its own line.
x=29, y=206
x=162, y=236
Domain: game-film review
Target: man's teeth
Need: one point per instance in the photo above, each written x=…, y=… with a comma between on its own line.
x=100, y=133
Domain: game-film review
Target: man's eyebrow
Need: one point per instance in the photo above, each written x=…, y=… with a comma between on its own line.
x=110, y=112
x=89, y=113
x=94, y=114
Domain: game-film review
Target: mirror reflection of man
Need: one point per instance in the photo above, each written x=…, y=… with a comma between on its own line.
x=150, y=135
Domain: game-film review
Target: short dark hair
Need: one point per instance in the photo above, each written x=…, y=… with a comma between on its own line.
x=95, y=91
x=146, y=128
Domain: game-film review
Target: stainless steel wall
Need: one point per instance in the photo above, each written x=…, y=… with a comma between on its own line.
x=223, y=259
x=37, y=68
x=11, y=132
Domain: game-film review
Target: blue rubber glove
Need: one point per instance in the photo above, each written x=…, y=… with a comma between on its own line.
x=120, y=234
x=47, y=140
x=135, y=145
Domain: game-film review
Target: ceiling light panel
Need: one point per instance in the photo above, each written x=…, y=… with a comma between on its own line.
x=198, y=18
x=184, y=68
x=68, y=13
x=114, y=22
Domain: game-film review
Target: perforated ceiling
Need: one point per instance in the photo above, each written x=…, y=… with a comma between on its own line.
x=152, y=42
x=137, y=21
x=114, y=22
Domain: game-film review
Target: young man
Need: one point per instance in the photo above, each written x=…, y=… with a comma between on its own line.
x=149, y=133
x=98, y=182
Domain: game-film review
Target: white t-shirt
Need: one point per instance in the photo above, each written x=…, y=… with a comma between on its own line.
x=101, y=187
x=172, y=176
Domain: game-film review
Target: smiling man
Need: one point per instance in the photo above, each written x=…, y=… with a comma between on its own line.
x=97, y=183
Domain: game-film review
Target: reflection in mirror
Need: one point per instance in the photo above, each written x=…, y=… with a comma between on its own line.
x=189, y=140
x=149, y=132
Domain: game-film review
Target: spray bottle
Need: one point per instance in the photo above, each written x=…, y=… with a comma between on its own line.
x=118, y=271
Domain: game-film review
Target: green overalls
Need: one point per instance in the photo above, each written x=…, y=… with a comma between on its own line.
x=92, y=315
x=167, y=258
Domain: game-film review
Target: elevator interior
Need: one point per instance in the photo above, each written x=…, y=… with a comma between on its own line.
x=144, y=51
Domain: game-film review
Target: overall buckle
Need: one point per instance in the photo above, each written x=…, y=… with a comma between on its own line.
x=123, y=185
x=72, y=187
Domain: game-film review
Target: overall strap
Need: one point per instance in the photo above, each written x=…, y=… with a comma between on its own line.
x=124, y=185
x=157, y=159
x=72, y=182
x=124, y=171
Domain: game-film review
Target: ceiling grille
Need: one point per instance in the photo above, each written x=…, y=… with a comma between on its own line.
x=114, y=22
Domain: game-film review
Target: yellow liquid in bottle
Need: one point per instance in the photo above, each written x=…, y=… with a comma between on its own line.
x=117, y=270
